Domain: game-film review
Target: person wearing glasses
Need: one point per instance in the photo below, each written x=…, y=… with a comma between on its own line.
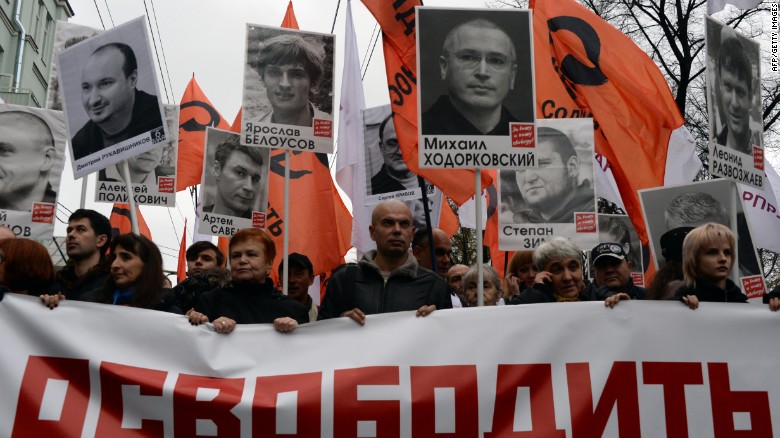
x=478, y=64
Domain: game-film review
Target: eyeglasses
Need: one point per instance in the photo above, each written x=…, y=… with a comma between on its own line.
x=472, y=59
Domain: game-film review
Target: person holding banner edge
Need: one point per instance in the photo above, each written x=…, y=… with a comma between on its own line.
x=250, y=298
x=388, y=279
x=708, y=258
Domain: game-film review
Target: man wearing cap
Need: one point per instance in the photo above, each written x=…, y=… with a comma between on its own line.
x=612, y=272
x=300, y=276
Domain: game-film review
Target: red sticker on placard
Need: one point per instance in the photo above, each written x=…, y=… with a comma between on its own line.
x=43, y=213
x=322, y=128
x=165, y=184
x=758, y=158
x=258, y=219
x=522, y=135
x=585, y=222
x=754, y=286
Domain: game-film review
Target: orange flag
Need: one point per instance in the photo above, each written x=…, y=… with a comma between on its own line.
x=289, y=21
x=181, y=269
x=195, y=114
x=630, y=101
x=448, y=220
x=120, y=221
x=398, y=41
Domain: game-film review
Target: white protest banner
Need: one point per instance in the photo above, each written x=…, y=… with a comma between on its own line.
x=477, y=96
x=641, y=369
x=288, y=89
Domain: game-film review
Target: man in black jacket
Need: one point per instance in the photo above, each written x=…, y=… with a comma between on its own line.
x=88, y=236
x=387, y=279
x=612, y=271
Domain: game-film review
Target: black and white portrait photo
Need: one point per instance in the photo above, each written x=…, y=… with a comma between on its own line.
x=734, y=104
x=110, y=97
x=288, y=89
x=560, y=191
x=154, y=171
x=32, y=155
x=65, y=35
x=476, y=85
x=670, y=212
x=386, y=173
x=482, y=77
x=234, y=184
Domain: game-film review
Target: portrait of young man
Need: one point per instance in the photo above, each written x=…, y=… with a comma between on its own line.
x=482, y=79
x=288, y=81
x=235, y=182
x=734, y=89
x=110, y=97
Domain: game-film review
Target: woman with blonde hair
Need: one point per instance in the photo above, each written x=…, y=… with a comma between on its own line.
x=708, y=259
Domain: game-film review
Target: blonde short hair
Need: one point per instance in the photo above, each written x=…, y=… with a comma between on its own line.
x=695, y=241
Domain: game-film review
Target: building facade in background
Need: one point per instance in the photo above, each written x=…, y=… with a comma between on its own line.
x=24, y=68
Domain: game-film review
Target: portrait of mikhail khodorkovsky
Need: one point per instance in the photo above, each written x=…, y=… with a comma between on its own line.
x=478, y=71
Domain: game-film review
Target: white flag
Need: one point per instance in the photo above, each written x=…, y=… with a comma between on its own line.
x=196, y=236
x=467, y=213
x=350, y=161
x=761, y=209
x=682, y=165
x=714, y=6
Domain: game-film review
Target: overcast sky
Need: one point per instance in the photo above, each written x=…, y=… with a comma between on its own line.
x=207, y=38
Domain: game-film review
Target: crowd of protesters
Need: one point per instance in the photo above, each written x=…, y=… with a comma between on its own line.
x=408, y=271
